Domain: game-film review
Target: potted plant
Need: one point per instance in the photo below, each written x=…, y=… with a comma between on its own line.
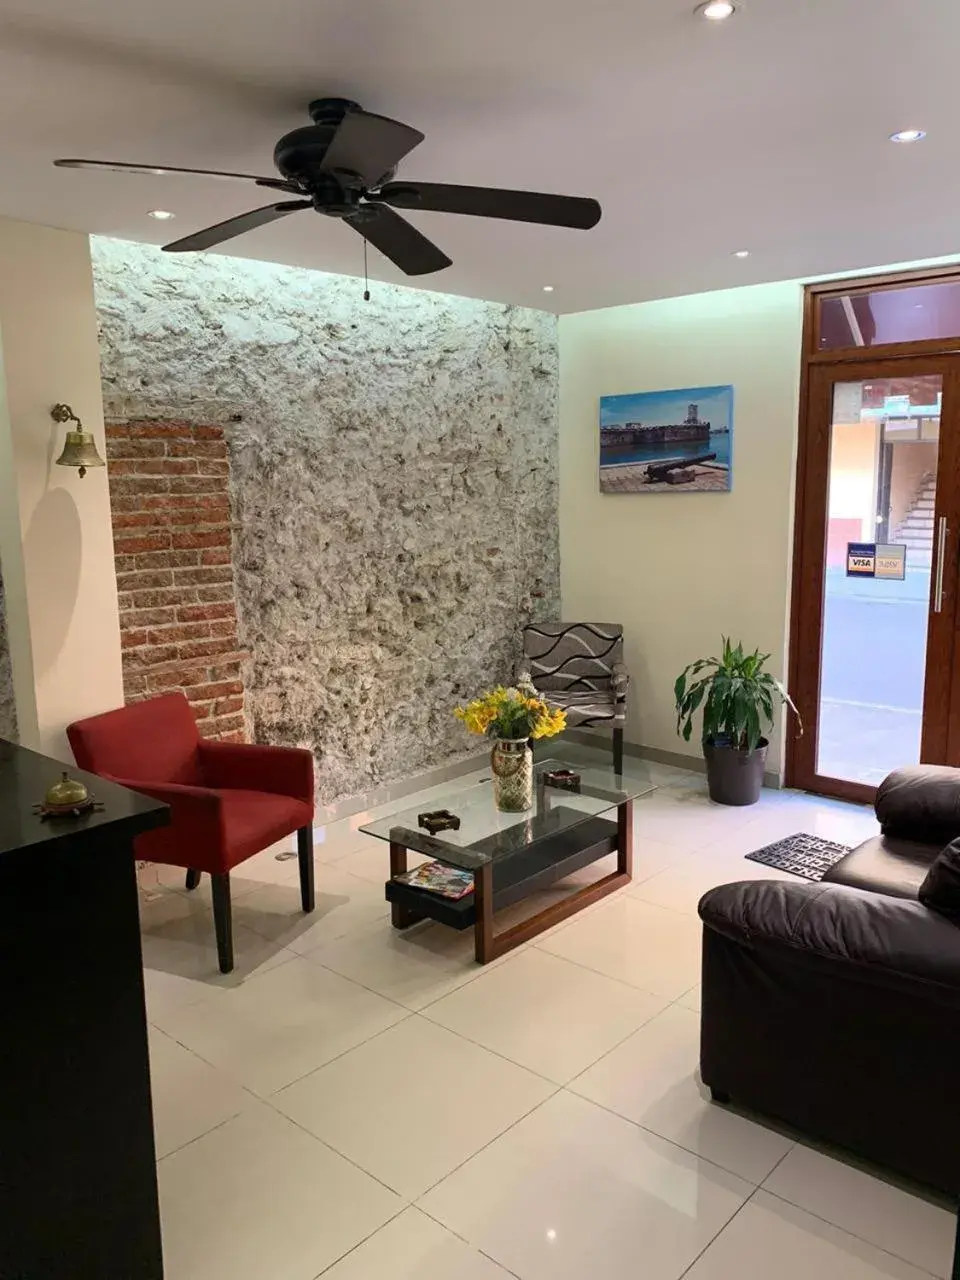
x=739, y=699
x=512, y=717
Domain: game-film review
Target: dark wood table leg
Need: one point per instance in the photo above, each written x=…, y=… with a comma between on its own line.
x=402, y=917
x=625, y=839
x=483, y=925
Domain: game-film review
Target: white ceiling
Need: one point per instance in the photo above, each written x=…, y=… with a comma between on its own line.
x=768, y=131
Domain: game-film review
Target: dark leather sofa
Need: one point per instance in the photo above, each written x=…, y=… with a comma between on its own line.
x=835, y=1007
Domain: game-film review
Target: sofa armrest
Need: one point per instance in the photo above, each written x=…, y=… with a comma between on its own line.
x=892, y=938
x=284, y=771
x=921, y=802
x=196, y=807
x=619, y=680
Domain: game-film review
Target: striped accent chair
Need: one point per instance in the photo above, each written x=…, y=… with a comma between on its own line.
x=579, y=666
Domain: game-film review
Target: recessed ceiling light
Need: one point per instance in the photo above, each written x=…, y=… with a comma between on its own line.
x=716, y=10
x=908, y=135
x=161, y=215
x=548, y=288
x=741, y=253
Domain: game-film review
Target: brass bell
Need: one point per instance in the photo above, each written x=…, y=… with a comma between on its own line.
x=79, y=448
x=66, y=793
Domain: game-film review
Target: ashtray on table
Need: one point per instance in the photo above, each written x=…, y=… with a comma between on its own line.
x=562, y=779
x=439, y=820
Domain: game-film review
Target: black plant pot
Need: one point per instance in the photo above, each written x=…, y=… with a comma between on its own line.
x=734, y=776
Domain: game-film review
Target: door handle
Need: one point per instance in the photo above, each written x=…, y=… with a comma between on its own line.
x=941, y=558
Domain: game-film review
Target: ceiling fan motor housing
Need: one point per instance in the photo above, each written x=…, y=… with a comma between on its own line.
x=300, y=156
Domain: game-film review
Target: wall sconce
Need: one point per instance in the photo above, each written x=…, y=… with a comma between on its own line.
x=79, y=449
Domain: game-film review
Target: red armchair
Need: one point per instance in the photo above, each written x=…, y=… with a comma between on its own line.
x=228, y=800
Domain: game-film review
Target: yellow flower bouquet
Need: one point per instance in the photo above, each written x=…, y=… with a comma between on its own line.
x=516, y=713
x=512, y=716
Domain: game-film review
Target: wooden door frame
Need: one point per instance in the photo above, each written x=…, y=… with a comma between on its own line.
x=807, y=601
x=811, y=357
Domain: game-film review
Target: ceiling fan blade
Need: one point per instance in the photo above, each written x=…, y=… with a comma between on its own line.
x=215, y=235
x=369, y=145
x=491, y=202
x=118, y=166
x=398, y=240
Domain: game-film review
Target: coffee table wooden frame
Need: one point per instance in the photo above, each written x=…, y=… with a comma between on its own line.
x=488, y=944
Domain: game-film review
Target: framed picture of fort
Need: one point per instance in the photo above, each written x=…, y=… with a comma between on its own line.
x=667, y=441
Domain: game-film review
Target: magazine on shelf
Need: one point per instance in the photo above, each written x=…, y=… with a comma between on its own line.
x=435, y=877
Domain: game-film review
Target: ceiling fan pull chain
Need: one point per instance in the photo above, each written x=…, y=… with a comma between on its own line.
x=366, y=282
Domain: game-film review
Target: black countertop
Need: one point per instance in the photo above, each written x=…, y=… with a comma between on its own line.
x=25, y=778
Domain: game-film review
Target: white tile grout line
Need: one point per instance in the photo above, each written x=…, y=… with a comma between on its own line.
x=713, y=1239
x=761, y=1187
x=431, y=1218
x=845, y=1230
x=355, y=1247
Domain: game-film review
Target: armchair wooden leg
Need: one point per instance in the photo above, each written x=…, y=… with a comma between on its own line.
x=223, y=919
x=618, y=751
x=193, y=878
x=305, y=854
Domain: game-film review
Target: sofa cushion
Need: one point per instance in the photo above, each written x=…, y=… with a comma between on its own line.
x=940, y=891
x=885, y=864
x=921, y=802
x=887, y=941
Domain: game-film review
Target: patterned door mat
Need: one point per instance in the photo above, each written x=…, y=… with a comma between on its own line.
x=801, y=855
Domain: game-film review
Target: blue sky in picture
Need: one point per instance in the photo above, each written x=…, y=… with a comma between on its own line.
x=665, y=408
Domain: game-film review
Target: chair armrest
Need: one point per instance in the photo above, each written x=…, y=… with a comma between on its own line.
x=921, y=802
x=619, y=680
x=892, y=938
x=284, y=771
x=197, y=807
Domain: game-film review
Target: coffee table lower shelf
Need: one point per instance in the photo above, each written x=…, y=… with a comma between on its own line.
x=506, y=881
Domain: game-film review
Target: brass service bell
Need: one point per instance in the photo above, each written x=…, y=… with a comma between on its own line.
x=66, y=794
x=67, y=798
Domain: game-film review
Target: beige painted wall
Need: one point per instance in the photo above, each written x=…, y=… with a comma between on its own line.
x=55, y=535
x=854, y=457
x=679, y=569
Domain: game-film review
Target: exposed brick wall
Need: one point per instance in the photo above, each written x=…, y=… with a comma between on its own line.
x=170, y=502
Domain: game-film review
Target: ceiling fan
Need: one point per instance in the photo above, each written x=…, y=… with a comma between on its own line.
x=342, y=166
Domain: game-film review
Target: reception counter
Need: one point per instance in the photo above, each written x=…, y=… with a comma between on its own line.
x=78, y=1187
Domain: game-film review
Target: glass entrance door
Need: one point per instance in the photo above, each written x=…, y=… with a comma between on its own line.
x=880, y=535
x=876, y=639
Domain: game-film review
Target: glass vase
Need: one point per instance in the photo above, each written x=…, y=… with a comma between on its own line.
x=512, y=763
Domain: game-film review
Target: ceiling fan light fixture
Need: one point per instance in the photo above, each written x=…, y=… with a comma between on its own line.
x=716, y=10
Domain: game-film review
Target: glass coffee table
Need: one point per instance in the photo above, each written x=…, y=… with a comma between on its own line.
x=513, y=855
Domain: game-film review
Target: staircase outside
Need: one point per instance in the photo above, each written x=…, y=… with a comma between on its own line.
x=915, y=531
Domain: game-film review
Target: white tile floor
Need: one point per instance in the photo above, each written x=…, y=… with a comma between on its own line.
x=360, y=1104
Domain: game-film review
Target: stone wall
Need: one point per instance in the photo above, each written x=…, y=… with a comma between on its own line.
x=170, y=506
x=393, y=487
x=8, y=706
